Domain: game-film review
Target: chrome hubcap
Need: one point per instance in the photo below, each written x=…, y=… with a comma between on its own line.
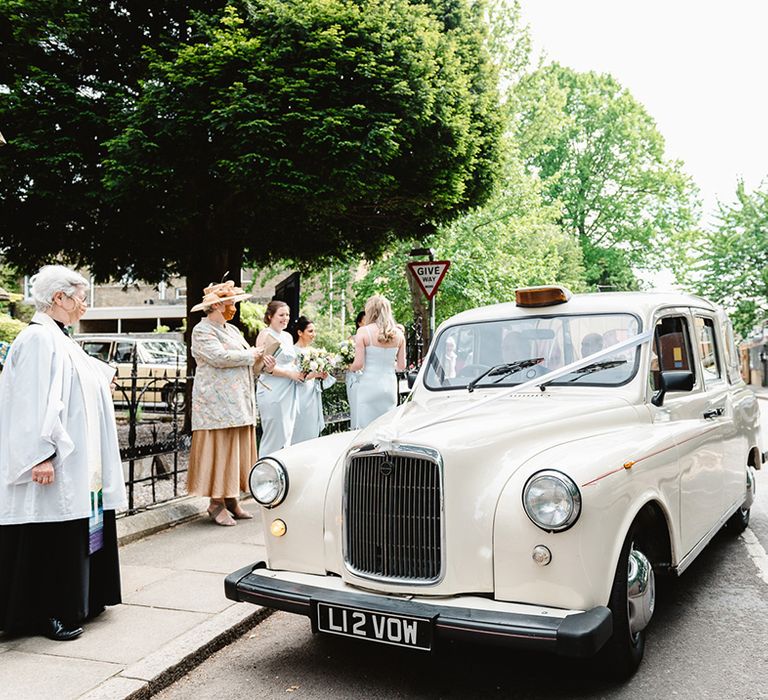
x=641, y=591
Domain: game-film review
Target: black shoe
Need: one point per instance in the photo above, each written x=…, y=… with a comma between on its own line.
x=55, y=629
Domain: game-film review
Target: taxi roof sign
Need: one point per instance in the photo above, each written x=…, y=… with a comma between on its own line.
x=429, y=274
x=542, y=296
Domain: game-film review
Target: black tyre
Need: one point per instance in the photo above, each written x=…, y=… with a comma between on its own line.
x=623, y=652
x=174, y=395
x=738, y=522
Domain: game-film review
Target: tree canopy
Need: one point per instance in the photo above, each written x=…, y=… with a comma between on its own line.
x=601, y=158
x=729, y=264
x=212, y=133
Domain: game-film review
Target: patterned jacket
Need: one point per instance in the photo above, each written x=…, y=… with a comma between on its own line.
x=223, y=393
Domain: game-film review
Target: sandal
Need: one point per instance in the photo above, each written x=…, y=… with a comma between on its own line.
x=237, y=512
x=220, y=515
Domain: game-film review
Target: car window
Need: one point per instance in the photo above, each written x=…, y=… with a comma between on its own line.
x=124, y=352
x=671, y=348
x=164, y=352
x=731, y=353
x=537, y=344
x=707, y=347
x=98, y=349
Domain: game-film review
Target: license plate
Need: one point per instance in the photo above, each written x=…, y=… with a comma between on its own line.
x=399, y=630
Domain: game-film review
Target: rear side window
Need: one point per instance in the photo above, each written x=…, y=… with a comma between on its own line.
x=98, y=349
x=671, y=348
x=707, y=345
x=124, y=352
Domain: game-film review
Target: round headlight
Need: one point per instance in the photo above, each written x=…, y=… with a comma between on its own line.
x=552, y=501
x=268, y=482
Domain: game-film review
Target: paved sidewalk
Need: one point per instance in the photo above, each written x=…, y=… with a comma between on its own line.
x=174, y=614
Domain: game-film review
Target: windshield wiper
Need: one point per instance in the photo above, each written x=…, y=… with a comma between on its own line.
x=504, y=370
x=585, y=371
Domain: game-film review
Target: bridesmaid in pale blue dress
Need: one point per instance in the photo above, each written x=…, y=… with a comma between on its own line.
x=379, y=351
x=309, y=417
x=352, y=377
x=276, y=393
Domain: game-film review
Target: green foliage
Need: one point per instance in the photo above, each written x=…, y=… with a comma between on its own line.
x=10, y=328
x=154, y=141
x=162, y=329
x=252, y=316
x=729, y=264
x=601, y=159
x=511, y=242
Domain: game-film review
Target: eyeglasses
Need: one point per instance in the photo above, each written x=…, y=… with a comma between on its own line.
x=79, y=299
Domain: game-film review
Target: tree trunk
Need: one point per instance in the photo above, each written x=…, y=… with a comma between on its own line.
x=207, y=267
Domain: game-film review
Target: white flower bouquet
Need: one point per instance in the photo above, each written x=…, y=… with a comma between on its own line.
x=346, y=353
x=315, y=360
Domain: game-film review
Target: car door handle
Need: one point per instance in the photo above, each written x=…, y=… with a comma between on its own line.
x=714, y=412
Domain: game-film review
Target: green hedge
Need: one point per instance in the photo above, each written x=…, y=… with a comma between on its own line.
x=10, y=328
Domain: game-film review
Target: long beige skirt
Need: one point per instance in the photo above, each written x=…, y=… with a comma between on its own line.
x=220, y=461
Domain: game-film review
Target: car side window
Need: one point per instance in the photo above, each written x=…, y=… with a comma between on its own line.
x=98, y=349
x=123, y=352
x=707, y=345
x=671, y=348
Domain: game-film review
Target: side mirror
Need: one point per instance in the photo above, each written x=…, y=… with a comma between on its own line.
x=673, y=380
x=411, y=378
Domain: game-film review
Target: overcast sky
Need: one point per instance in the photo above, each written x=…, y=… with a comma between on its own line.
x=700, y=69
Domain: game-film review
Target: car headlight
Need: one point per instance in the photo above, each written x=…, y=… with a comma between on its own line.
x=268, y=482
x=552, y=501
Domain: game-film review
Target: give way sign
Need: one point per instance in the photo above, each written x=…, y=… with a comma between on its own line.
x=429, y=274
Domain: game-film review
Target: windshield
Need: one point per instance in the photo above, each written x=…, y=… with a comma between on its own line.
x=164, y=352
x=517, y=350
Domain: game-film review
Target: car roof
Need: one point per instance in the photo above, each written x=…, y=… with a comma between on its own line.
x=108, y=337
x=640, y=303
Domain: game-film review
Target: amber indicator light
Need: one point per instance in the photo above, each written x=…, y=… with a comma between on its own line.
x=541, y=296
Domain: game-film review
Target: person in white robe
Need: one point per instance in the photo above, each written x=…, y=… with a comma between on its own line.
x=61, y=478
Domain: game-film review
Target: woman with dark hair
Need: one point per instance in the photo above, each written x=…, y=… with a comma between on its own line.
x=61, y=478
x=276, y=394
x=309, y=395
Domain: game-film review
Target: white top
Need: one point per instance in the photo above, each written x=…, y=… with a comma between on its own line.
x=44, y=412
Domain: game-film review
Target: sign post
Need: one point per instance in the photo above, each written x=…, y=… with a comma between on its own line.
x=429, y=275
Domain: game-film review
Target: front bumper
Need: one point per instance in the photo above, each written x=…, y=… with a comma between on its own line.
x=578, y=634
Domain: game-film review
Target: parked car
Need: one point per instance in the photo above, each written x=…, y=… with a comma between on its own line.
x=556, y=455
x=161, y=364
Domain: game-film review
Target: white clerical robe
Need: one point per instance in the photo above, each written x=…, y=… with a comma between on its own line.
x=44, y=413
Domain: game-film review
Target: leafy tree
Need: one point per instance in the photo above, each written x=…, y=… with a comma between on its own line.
x=601, y=159
x=729, y=264
x=241, y=133
x=510, y=242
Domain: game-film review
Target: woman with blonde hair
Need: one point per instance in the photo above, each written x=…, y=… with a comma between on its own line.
x=379, y=352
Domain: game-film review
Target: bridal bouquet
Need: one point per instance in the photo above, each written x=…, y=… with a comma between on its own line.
x=315, y=360
x=346, y=352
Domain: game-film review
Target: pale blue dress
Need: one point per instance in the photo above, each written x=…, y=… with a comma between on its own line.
x=276, y=398
x=309, y=415
x=375, y=390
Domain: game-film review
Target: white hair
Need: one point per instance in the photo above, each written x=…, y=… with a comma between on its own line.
x=52, y=279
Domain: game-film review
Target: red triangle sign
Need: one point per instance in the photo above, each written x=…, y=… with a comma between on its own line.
x=429, y=274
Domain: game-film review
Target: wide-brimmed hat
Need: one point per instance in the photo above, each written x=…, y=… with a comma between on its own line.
x=223, y=291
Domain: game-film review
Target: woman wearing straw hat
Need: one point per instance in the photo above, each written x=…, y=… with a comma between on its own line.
x=223, y=406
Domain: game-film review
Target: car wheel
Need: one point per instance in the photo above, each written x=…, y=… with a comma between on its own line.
x=738, y=522
x=633, y=597
x=175, y=396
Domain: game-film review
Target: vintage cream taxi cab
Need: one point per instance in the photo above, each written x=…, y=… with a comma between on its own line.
x=555, y=455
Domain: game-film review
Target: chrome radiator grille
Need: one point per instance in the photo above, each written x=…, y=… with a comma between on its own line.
x=393, y=517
